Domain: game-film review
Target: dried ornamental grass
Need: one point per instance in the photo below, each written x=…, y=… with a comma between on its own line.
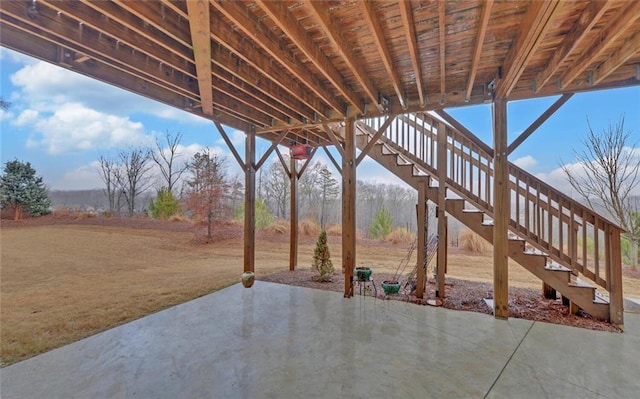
x=309, y=227
x=400, y=235
x=472, y=242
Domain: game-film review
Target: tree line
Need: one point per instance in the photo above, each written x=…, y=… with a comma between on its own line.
x=202, y=187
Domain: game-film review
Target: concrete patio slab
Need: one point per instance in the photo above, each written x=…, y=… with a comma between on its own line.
x=278, y=341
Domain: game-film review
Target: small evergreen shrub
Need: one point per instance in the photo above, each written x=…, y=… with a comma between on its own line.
x=322, y=259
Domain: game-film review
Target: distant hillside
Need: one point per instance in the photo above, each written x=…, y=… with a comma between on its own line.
x=91, y=200
x=78, y=199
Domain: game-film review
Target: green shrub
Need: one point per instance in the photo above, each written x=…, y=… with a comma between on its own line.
x=382, y=224
x=264, y=217
x=165, y=205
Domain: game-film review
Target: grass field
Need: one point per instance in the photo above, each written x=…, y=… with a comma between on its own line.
x=61, y=283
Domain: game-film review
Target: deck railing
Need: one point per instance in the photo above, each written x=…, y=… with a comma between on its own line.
x=550, y=221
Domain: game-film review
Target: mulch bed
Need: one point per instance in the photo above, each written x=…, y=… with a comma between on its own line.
x=524, y=303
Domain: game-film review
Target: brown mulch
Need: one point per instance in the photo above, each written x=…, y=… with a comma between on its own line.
x=524, y=303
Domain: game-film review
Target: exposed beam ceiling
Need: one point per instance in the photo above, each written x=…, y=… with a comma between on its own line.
x=369, y=11
x=630, y=49
x=278, y=12
x=531, y=33
x=329, y=28
x=442, y=49
x=295, y=65
x=412, y=41
x=477, y=53
x=578, y=32
x=255, y=29
x=624, y=21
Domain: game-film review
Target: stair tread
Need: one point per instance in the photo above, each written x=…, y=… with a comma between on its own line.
x=534, y=251
x=601, y=298
x=556, y=267
x=578, y=282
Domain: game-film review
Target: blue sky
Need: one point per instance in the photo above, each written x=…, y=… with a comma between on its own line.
x=61, y=122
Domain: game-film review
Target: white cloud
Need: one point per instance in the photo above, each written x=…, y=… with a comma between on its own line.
x=236, y=136
x=73, y=128
x=26, y=117
x=46, y=87
x=527, y=162
x=81, y=178
x=557, y=178
x=5, y=115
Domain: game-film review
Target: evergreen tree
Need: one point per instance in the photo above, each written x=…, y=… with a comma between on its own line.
x=382, y=224
x=264, y=217
x=22, y=190
x=165, y=205
x=322, y=259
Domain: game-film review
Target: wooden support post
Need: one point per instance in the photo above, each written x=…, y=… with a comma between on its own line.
x=349, y=205
x=548, y=291
x=422, y=236
x=250, y=203
x=616, y=300
x=501, y=211
x=573, y=308
x=442, y=222
x=446, y=247
x=293, y=240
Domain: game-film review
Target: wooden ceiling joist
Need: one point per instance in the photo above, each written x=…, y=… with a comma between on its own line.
x=630, y=49
x=589, y=17
x=199, y=22
x=329, y=28
x=280, y=15
x=442, y=47
x=179, y=36
x=261, y=35
x=537, y=21
x=477, y=52
x=380, y=41
x=39, y=47
x=244, y=50
x=625, y=18
x=80, y=38
x=102, y=17
x=111, y=17
x=412, y=42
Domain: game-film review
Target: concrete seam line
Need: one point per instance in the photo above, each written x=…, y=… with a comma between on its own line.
x=508, y=360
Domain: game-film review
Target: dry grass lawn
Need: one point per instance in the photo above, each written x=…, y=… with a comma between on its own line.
x=61, y=283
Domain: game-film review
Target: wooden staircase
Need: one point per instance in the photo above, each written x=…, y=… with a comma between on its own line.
x=550, y=234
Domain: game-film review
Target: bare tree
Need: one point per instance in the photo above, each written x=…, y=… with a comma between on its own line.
x=108, y=172
x=308, y=188
x=167, y=159
x=329, y=191
x=608, y=172
x=132, y=177
x=277, y=187
x=4, y=104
